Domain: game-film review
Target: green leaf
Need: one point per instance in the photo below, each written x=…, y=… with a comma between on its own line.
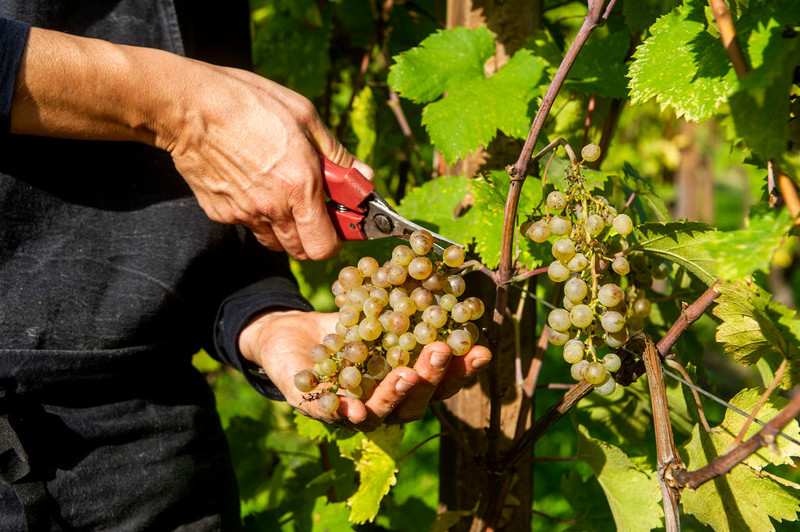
x=645, y=194
x=475, y=107
x=640, y=15
x=741, y=500
x=557, y=174
x=683, y=66
x=376, y=463
x=587, y=498
x=447, y=193
x=683, y=243
x=447, y=520
x=317, y=430
x=633, y=493
x=362, y=119
x=600, y=67
x=740, y=253
x=753, y=325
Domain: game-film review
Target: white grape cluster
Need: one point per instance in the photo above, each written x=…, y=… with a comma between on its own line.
x=604, y=286
x=386, y=315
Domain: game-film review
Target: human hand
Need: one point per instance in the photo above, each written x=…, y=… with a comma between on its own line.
x=250, y=150
x=280, y=343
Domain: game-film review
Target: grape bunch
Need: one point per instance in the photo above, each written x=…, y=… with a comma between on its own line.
x=387, y=313
x=604, y=281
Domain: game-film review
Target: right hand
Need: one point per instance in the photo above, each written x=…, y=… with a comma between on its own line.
x=250, y=150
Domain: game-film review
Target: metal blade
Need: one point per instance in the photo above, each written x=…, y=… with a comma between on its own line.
x=381, y=221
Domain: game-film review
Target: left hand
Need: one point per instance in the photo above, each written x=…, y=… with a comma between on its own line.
x=280, y=342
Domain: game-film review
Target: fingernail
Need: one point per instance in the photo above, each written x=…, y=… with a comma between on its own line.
x=439, y=360
x=403, y=386
x=478, y=363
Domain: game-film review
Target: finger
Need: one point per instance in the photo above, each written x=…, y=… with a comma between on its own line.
x=431, y=366
x=389, y=393
x=462, y=371
x=266, y=237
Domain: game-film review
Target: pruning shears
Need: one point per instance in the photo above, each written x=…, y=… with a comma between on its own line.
x=359, y=212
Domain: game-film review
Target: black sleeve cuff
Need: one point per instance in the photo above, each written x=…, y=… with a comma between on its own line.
x=13, y=36
x=239, y=309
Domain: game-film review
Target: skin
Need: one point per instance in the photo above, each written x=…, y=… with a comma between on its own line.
x=250, y=151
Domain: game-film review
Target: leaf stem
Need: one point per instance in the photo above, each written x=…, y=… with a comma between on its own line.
x=761, y=401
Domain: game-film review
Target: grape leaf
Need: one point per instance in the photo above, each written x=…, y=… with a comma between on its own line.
x=683, y=243
x=633, y=493
x=741, y=500
x=600, y=67
x=451, y=62
x=724, y=434
x=587, y=498
x=557, y=174
x=446, y=193
x=683, y=66
x=757, y=243
x=376, y=462
x=753, y=325
x=640, y=15
x=362, y=119
x=317, y=430
x=645, y=193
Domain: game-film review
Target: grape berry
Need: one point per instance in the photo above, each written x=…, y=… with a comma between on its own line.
x=387, y=314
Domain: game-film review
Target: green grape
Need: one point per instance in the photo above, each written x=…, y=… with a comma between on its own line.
x=556, y=201
x=557, y=272
x=422, y=298
x=560, y=225
x=421, y=242
x=595, y=373
x=328, y=402
x=557, y=337
x=590, y=152
x=306, y=380
x=368, y=266
x=623, y=224
x=661, y=271
x=454, y=256
x=389, y=339
x=454, y=284
x=397, y=356
x=594, y=225
x=380, y=278
x=368, y=385
x=354, y=393
x=380, y=294
x=434, y=283
x=334, y=342
x=617, y=339
x=319, y=353
x=340, y=299
x=349, y=377
x=606, y=387
x=355, y=352
x=473, y=331
x=578, y=370
x=405, y=305
x=402, y=255
x=461, y=312
x=425, y=333
x=369, y=329
x=612, y=321
x=476, y=306
x=396, y=274
x=621, y=266
x=352, y=334
x=460, y=341
x=524, y=227
x=575, y=289
x=327, y=367
x=373, y=307
x=612, y=362
x=395, y=295
x=642, y=307
x=349, y=316
x=567, y=303
x=578, y=263
x=539, y=232
x=420, y=268
x=448, y=301
x=581, y=316
x=573, y=351
x=435, y=315
x=398, y=322
x=350, y=277
x=610, y=295
x=378, y=368
x=407, y=341
x=558, y=320
x=357, y=296
x=563, y=249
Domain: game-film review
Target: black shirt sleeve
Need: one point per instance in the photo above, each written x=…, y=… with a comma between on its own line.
x=13, y=36
x=236, y=312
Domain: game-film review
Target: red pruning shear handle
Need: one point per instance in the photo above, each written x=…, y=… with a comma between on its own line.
x=359, y=213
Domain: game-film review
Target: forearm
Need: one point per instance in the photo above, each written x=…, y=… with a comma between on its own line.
x=76, y=87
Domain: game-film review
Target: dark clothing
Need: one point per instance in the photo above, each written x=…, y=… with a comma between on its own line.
x=111, y=277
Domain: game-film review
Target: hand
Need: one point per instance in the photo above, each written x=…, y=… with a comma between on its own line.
x=250, y=150
x=280, y=342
